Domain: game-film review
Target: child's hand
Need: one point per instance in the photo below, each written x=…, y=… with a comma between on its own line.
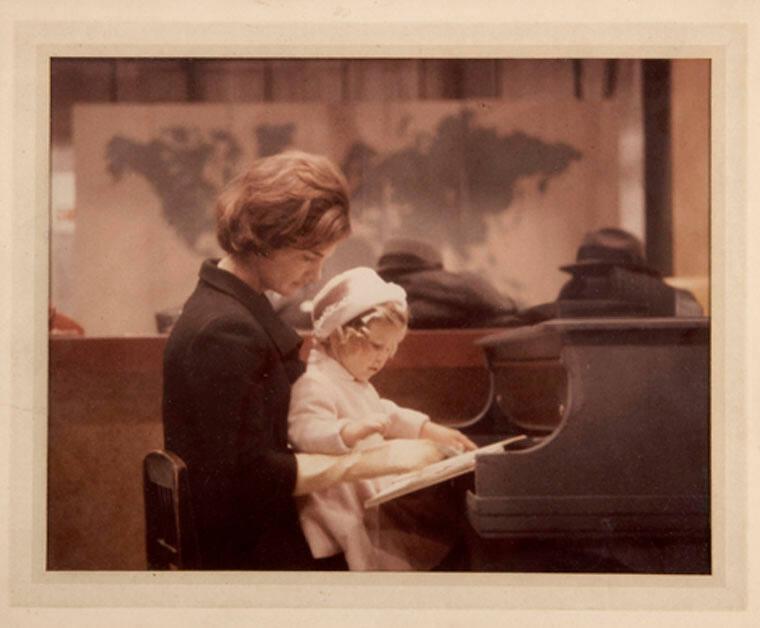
x=353, y=432
x=447, y=437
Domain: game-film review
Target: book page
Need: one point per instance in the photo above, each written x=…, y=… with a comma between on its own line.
x=437, y=472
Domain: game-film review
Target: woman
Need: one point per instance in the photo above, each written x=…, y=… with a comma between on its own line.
x=230, y=361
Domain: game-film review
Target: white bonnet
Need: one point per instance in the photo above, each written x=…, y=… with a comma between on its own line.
x=349, y=294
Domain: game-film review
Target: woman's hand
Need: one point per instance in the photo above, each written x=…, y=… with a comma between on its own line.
x=447, y=437
x=317, y=471
x=354, y=431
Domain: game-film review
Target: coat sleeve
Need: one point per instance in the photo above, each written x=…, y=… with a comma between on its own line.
x=229, y=366
x=405, y=423
x=313, y=423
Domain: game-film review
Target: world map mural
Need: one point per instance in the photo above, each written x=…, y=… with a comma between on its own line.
x=437, y=185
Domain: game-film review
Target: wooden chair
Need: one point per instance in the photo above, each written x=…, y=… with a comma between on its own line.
x=170, y=536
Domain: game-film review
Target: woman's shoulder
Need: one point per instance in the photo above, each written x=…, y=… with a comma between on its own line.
x=200, y=331
x=209, y=310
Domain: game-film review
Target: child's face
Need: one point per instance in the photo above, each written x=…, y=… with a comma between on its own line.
x=364, y=357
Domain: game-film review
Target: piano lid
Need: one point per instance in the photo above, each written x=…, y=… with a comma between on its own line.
x=547, y=333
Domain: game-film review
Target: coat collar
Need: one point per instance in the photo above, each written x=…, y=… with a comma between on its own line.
x=284, y=337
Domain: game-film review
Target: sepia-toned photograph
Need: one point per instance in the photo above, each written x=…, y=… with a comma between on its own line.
x=379, y=315
x=356, y=315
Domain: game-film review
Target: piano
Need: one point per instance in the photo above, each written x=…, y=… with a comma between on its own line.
x=615, y=473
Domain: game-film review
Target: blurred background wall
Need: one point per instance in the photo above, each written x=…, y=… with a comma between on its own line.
x=504, y=164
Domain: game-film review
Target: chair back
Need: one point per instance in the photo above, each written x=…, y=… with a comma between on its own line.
x=170, y=537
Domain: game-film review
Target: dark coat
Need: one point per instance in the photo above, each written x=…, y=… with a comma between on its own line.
x=644, y=290
x=228, y=366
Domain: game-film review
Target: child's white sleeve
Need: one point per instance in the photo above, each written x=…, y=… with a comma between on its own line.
x=405, y=422
x=313, y=424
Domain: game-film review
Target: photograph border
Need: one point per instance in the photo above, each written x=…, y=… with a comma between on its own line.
x=36, y=42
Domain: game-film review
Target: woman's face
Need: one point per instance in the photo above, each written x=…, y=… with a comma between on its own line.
x=287, y=270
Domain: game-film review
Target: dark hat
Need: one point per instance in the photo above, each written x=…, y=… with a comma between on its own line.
x=405, y=253
x=610, y=247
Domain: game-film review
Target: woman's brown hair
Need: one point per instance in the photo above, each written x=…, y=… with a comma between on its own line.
x=292, y=199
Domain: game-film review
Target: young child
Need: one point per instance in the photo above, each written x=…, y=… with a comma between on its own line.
x=359, y=320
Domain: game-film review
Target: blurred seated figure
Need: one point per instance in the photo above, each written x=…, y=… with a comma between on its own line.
x=61, y=325
x=437, y=297
x=610, y=277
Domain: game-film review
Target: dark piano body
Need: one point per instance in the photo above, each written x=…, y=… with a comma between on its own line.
x=615, y=474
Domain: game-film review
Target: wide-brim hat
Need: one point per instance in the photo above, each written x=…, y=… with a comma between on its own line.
x=610, y=247
x=400, y=253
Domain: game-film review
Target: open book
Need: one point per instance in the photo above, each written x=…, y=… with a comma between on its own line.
x=437, y=472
